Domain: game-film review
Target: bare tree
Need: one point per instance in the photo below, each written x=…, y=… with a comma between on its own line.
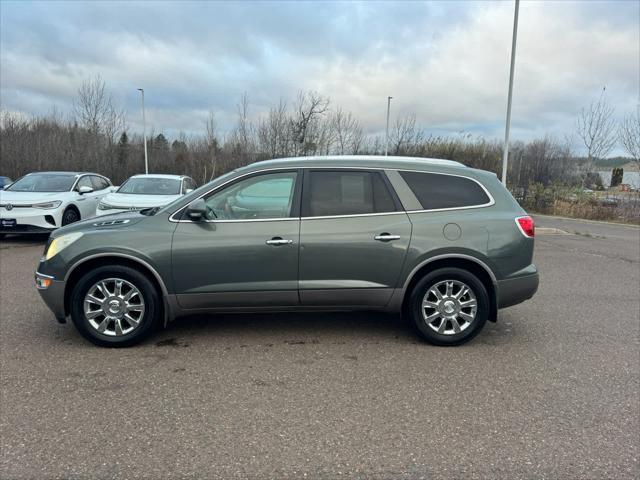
x=629, y=134
x=347, y=132
x=94, y=108
x=273, y=132
x=309, y=107
x=242, y=135
x=404, y=137
x=212, y=145
x=596, y=128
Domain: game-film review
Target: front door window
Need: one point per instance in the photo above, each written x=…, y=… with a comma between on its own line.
x=268, y=196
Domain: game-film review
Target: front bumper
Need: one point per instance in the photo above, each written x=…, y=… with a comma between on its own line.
x=29, y=220
x=516, y=290
x=52, y=292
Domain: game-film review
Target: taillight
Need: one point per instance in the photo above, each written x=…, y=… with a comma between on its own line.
x=526, y=226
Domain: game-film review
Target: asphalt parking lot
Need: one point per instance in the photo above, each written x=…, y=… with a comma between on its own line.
x=550, y=391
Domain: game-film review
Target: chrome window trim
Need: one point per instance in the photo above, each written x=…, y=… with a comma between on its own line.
x=242, y=220
x=219, y=187
x=403, y=212
x=378, y=169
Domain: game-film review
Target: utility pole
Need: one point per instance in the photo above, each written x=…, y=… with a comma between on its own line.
x=144, y=134
x=386, y=144
x=505, y=154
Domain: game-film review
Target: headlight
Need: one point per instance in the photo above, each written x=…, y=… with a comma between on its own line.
x=47, y=205
x=60, y=243
x=105, y=206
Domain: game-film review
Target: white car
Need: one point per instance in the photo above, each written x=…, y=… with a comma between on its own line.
x=43, y=201
x=146, y=191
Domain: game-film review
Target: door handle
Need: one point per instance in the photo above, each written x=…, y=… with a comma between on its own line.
x=386, y=237
x=278, y=241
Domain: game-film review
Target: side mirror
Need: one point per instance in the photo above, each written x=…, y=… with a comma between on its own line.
x=188, y=190
x=197, y=209
x=84, y=189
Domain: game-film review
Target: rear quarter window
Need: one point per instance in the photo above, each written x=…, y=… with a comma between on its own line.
x=435, y=191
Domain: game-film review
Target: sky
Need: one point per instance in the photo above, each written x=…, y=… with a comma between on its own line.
x=445, y=62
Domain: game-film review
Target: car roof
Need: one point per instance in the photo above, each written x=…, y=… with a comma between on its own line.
x=60, y=173
x=158, y=175
x=359, y=161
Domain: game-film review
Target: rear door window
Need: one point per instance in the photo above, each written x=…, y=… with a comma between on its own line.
x=329, y=193
x=436, y=191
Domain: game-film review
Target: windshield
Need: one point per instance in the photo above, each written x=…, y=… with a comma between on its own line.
x=151, y=186
x=43, y=182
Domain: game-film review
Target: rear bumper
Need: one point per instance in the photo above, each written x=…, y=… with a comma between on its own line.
x=516, y=290
x=53, y=294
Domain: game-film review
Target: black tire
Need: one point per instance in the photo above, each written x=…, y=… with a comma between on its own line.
x=70, y=215
x=430, y=280
x=2, y=235
x=149, y=321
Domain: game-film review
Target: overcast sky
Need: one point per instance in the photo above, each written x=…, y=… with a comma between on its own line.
x=447, y=62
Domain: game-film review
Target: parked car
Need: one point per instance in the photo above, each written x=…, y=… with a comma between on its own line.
x=43, y=201
x=444, y=244
x=4, y=182
x=146, y=191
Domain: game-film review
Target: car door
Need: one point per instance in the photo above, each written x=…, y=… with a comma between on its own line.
x=86, y=202
x=354, y=236
x=245, y=252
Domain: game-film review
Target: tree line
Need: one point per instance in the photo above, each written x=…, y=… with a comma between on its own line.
x=95, y=137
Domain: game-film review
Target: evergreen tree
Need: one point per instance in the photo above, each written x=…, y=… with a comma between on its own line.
x=123, y=150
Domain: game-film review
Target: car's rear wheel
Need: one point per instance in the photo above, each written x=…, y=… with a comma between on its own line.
x=70, y=215
x=449, y=306
x=115, y=306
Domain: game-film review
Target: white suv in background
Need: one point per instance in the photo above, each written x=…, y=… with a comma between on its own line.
x=43, y=201
x=146, y=191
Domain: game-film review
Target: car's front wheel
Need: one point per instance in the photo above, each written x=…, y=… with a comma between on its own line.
x=449, y=306
x=69, y=216
x=115, y=306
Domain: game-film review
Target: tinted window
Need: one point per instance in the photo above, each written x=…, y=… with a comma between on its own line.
x=43, y=182
x=262, y=196
x=444, y=191
x=99, y=183
x=346, y=193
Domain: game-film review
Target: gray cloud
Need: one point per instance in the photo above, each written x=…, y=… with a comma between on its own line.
x=446, y=62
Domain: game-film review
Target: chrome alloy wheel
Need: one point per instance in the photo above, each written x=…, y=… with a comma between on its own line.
x=449, y=307
x=114, y=307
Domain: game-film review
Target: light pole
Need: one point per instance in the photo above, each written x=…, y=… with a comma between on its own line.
x=505, y=154
x=386, y=143
x=144, y=135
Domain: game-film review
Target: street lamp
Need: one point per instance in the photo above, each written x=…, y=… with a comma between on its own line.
x=144, y=134
x=386, y=145
x=505, y=154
